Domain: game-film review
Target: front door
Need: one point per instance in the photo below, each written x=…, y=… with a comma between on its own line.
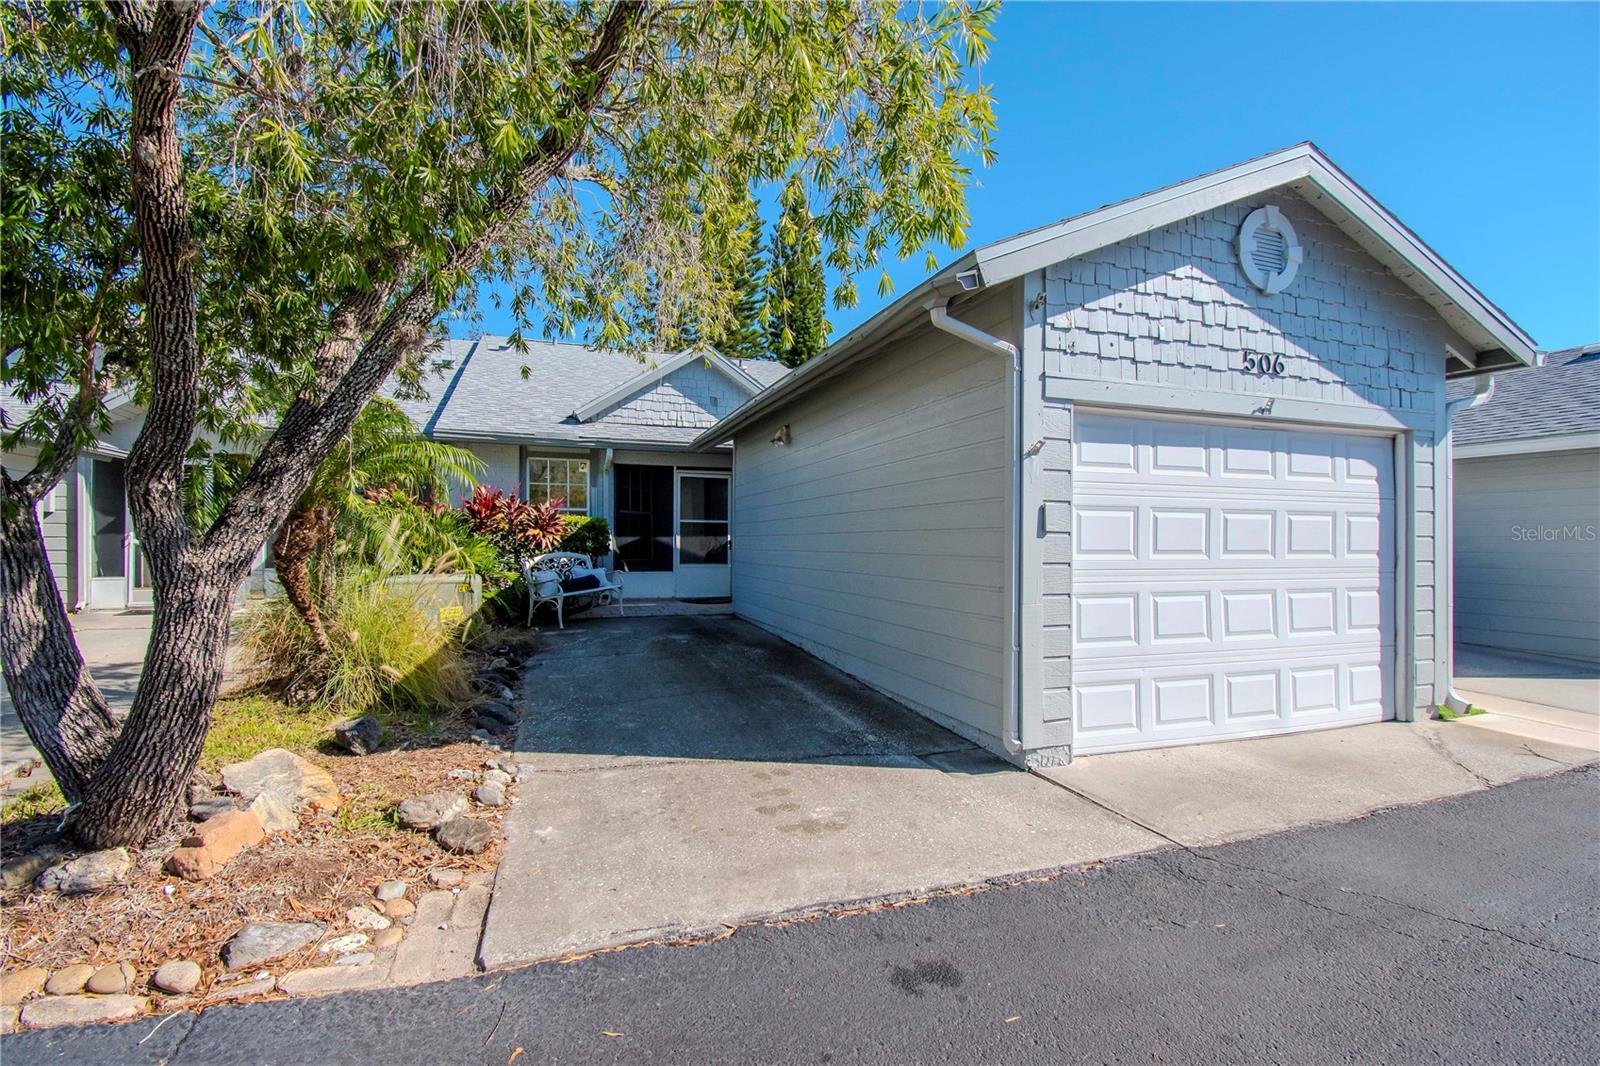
x=141, y=590
x=703, y=542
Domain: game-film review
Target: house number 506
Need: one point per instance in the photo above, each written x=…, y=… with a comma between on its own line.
x=1265, y=365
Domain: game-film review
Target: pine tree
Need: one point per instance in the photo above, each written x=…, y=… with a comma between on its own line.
x=796, y=287
x=746, y=336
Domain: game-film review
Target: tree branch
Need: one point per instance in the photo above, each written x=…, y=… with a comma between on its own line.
x=311, y=426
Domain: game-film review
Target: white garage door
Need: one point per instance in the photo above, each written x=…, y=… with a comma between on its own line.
x=1227, y=581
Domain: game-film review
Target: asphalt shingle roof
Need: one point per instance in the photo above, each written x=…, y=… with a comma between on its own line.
x=482, y=392
x=1562, y=396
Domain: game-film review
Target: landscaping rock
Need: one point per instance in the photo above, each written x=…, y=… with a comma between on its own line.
x=462, y=775
x=500, y=662
x=359, y=736
x=386, y=938
x=286, y=775
x=10, y=1019
x=261, y=942
x=69, y=980
x=179, y=977
x=430, y=811
x=498, y=777
x=366, y=918
x=79, y=1010
x=112, y=979
x=204, y=810
x=399, y=908
x=274, y=815
x=334, y=978
x=390, y=890
x=464, y=835
x=94, y=872
x=500, y=712
x=339, y=945
x=490, y=794
x=201, y=786
x=18, y=985
x=259, y=987
x=214, y=843
x=22, y=869
x=358, y=959
x=506, y=694
x=445, y=878
x=486, y=738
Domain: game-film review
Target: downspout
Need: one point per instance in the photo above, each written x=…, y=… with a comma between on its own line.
x=939, y=316
x=1480, y=395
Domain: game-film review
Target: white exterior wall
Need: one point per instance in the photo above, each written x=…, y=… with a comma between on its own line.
x=1162, y=322
x=877, y=539
x=1527, y=541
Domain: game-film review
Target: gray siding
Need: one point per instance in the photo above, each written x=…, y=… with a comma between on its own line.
x=877, y=539
x=1527, y=555
x=56, y=523
x=692, y=396
x=1171, y=311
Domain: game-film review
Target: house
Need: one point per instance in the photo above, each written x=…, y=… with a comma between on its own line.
x=89, y=535
x=606, y=432
x=609, y=434
x=1527, y=510
x=1160, y=473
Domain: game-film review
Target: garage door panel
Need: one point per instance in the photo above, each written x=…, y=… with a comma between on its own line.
x=1227, y=580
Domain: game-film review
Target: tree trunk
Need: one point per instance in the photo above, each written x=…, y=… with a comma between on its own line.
x=297, y=543
x=139, y=787
x=61, y=708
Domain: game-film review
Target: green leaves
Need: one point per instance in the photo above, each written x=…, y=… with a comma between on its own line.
x=340, y=148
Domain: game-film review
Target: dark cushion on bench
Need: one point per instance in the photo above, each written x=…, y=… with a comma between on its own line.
x=580, y=584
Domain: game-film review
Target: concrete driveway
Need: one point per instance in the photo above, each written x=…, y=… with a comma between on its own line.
x=697, y=771
x=1552, y=700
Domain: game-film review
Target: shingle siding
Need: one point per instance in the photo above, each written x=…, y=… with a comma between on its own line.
x=1172, y=308
x=693, y=396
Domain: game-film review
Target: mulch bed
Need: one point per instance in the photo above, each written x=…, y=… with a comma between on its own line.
x=316, y=874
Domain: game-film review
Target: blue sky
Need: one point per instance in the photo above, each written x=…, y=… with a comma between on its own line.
x=1477, y=124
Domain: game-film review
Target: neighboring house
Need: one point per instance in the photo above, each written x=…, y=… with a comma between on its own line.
x=1156, y=474
x=1527, y=510
x=606, y=432
x=609, y=434
x=93, y=549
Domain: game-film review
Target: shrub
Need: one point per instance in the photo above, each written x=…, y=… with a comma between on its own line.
x=389, y=655
x=395, y=531
x=518, y=528
x=586, y=535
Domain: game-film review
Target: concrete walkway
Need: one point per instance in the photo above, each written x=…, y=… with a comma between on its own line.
x=693, y=773
x=1548, y=700
x=112, y=644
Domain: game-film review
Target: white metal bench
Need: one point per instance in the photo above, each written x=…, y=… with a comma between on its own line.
x=543, y=575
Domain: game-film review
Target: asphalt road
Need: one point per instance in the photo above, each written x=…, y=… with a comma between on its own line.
x=1466, y=930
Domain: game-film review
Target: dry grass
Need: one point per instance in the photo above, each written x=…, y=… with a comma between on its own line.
x=316, y=874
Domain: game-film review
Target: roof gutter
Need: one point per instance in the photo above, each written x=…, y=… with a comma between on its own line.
x=939, y=316
x=1481, y=394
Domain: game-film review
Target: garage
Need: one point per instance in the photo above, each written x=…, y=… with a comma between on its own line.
x=1171, y=471
x=1228, y=580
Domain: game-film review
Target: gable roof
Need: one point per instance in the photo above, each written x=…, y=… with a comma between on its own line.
x=1497, y=342
x=660, y=370
x=1557, y=399
x=479, y=392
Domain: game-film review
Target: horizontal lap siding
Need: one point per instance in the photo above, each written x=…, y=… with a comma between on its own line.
x=57, y=525
x=877, y=539
x=1527, y=553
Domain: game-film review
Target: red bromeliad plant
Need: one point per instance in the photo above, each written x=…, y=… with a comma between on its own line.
x=518, y=528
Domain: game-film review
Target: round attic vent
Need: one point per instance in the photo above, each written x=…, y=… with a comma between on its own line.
x=1268, y=250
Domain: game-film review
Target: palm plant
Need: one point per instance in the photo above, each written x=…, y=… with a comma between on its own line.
x=381, y=451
